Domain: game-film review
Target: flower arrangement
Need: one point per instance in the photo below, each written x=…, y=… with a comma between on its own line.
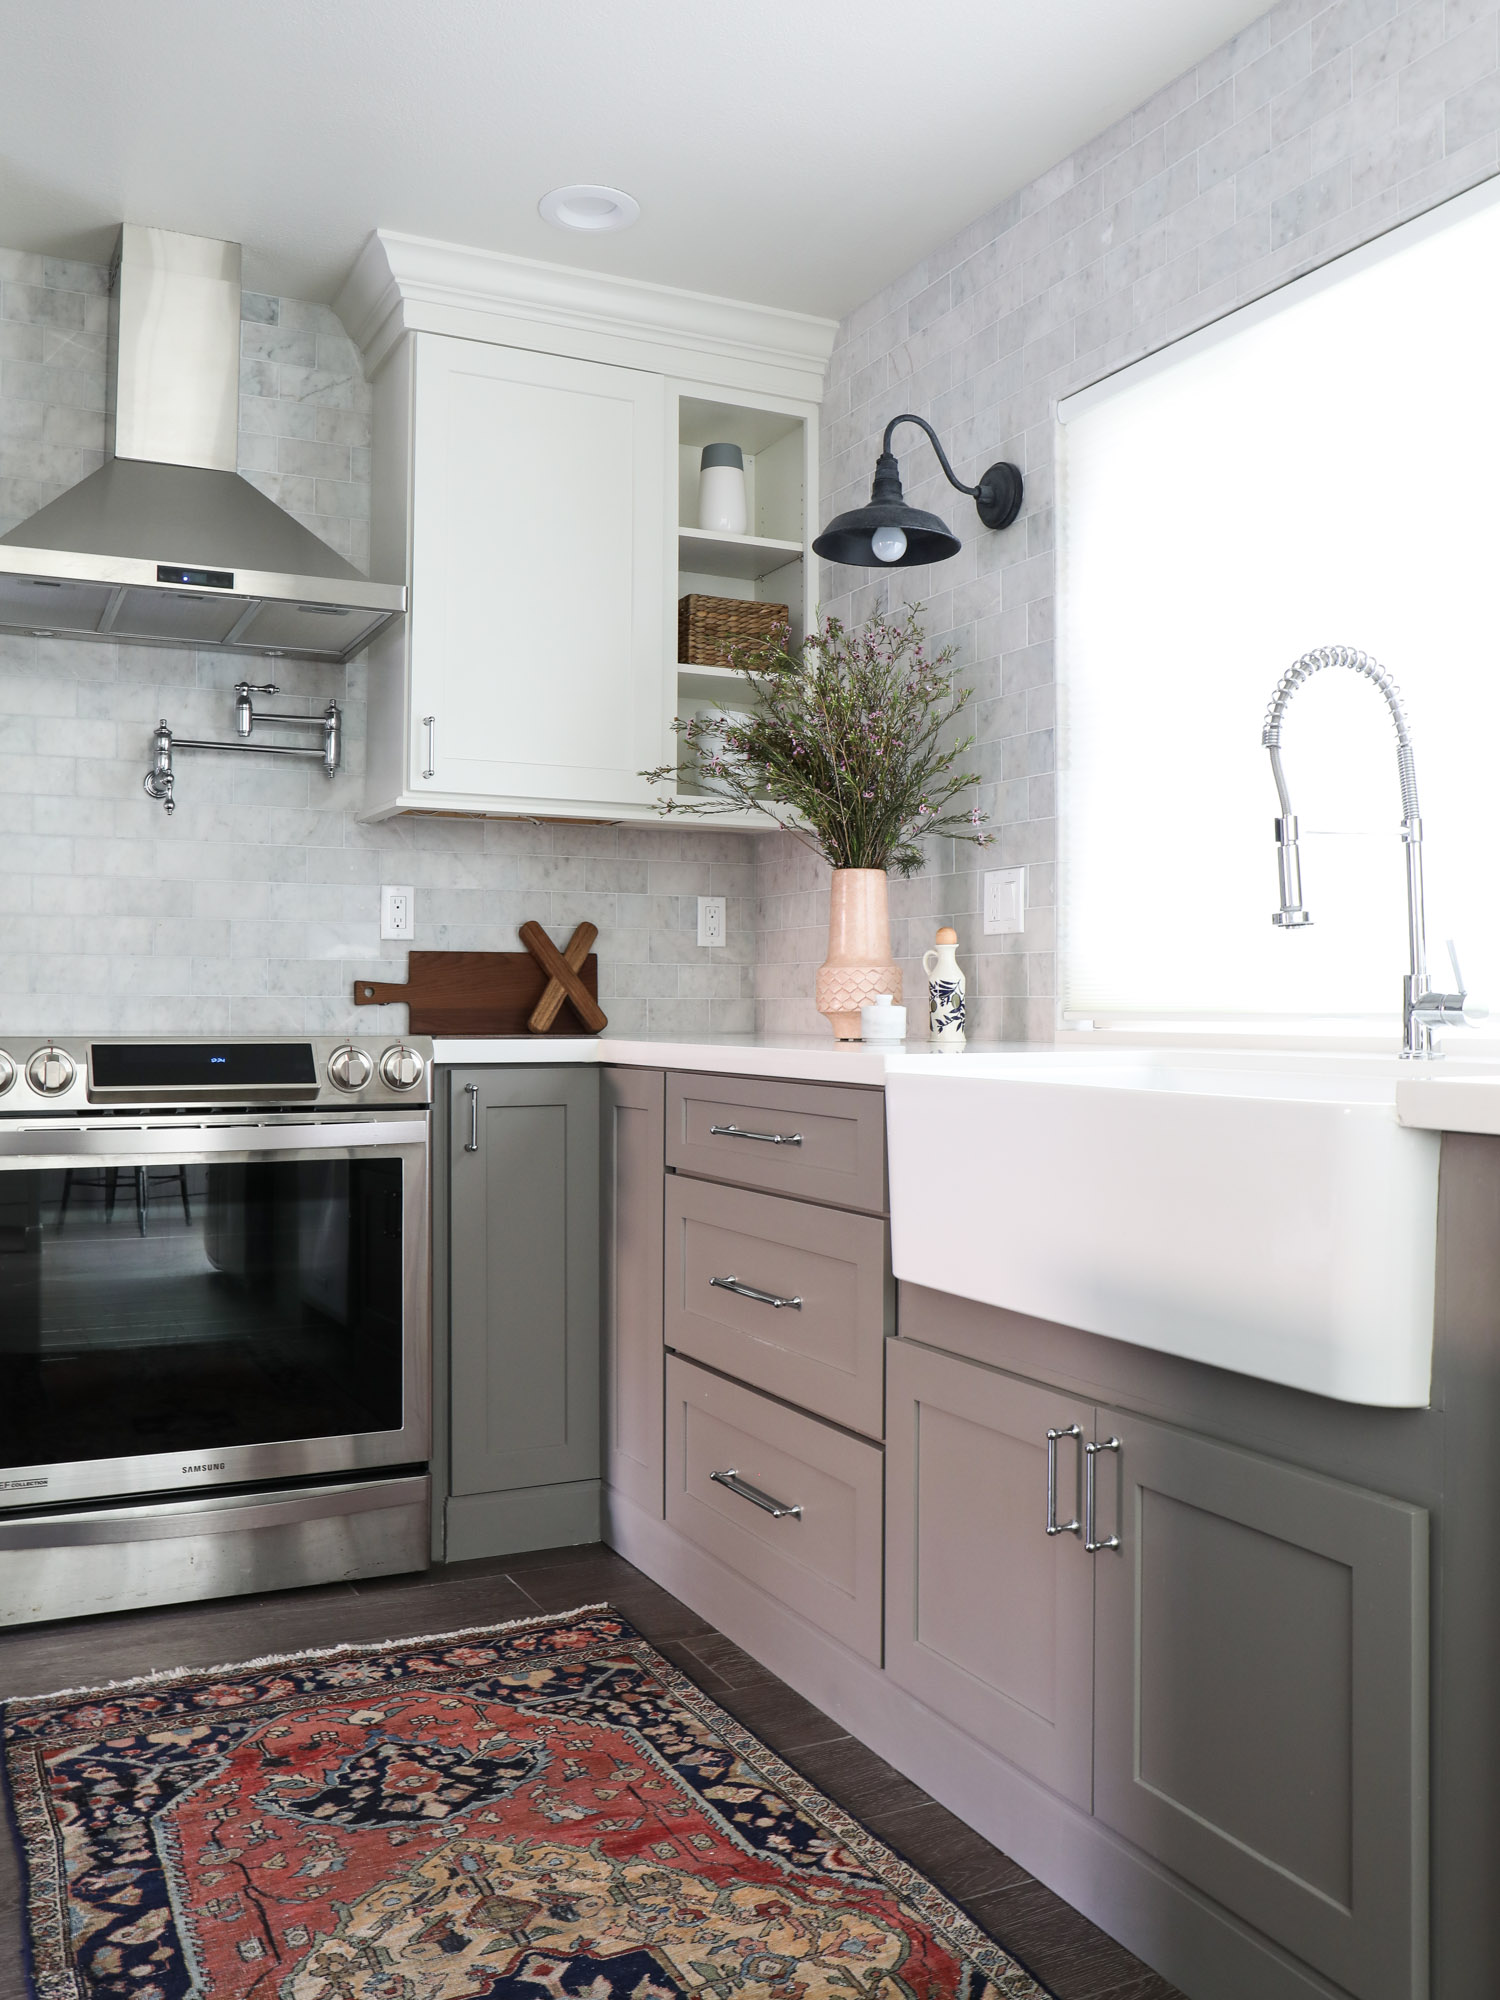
x=847, y=746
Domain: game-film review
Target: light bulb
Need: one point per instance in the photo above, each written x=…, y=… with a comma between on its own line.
x=888, y=544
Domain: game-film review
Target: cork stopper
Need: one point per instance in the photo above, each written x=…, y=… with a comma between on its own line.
x=947, y=935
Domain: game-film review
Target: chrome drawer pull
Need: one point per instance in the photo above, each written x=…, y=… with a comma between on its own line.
x=429, y=723
x=1054, y=1526
x=732, y=1284
x=471, y=1144
x=766, y=1138
x=777, y=1510
x=1090, y=1461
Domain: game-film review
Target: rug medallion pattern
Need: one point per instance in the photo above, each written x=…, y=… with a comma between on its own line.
x=545, y=1809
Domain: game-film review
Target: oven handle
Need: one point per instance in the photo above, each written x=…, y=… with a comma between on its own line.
x=206, y=1514
x=130, y=1144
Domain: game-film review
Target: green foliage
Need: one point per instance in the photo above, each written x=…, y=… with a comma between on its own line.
x=843, y=745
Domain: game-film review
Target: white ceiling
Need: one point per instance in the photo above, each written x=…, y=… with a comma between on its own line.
x=795, y=152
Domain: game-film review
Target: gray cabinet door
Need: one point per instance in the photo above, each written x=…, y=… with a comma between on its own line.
x=1261, y=1695
x=989, y=1619
x=524, y=1247
x=633, y=1127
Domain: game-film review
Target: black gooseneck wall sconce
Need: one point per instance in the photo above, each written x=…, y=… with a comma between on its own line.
x=890, y=535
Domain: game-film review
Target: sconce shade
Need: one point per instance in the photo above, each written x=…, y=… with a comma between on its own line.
x=847, y=537
x=890, y=535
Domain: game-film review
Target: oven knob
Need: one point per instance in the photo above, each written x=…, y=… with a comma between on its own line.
x=7, y=1072
x=51, y=1070
x=349, y=1068
x=401, y=1068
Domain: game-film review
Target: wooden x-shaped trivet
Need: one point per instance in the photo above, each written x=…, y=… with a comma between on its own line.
x=563, y=983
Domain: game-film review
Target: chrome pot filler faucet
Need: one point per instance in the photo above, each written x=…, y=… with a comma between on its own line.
x=1422, y=1010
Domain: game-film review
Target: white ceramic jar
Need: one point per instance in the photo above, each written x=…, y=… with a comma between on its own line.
x=721, y=490
x=882, y=1020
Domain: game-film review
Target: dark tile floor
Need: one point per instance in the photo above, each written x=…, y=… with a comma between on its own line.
x=1060, y=1946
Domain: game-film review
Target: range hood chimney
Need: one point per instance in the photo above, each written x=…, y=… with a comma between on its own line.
x=166, y=545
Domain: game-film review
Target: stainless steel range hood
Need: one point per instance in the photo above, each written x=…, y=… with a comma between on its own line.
x=166, y=544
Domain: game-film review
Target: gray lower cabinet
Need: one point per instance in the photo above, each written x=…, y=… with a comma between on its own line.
x=524, y=1305
x=1261, y=1695
x=785, y=1295
x=633, y=1130
x=1234, y=1680
x=989, y=1619
x=813, y=1141
x=782, y=1499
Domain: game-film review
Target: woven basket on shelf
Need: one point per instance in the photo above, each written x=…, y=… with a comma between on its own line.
x=708, y=626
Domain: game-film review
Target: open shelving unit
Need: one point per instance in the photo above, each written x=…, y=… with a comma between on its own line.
x=773, y=563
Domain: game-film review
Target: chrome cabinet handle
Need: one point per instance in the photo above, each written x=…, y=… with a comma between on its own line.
x=1090, y=1460
x=472, y=1092
x=777, y=1509
x=429, y=723
x=766, y=1138
x=1054, y=1526
x=732, y=1284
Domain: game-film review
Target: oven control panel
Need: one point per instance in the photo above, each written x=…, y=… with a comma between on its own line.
x=292, y=1072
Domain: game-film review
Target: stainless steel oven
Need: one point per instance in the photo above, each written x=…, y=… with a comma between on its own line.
x=214, y=1318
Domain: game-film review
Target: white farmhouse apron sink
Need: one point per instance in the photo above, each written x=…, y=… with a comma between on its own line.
x=1263, y=1212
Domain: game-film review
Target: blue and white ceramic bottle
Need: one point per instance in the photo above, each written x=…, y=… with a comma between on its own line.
x=947, y=990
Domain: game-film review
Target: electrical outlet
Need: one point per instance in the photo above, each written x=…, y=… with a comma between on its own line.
x=1005, y=900
x=713, y=920
x=398, y=911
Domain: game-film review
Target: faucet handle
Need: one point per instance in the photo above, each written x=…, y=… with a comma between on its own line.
x=1471, y=1009
x=1450, y=1010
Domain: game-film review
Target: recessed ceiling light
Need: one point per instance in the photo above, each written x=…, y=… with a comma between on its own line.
x=589, y=208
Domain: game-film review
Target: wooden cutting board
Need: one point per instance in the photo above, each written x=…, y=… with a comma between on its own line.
x=475, y=993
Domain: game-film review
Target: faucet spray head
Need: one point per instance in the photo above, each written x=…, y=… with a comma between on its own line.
x=1291, y=915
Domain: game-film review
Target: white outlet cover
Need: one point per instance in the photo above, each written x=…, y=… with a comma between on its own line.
x=1004, y=900
x=713, y=920
x=398, y=910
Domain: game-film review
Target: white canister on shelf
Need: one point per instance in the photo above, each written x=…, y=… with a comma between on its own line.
x=947, y=990
x=882, y=1020
x=721, y=490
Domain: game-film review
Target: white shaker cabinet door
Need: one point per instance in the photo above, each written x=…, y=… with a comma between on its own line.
x=537, y=653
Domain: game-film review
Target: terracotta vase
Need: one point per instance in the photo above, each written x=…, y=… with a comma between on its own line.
x=859, y=963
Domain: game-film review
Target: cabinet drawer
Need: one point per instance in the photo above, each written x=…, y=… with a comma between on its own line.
x=822, y=1561
x=820, y=1348
x=823, y=1142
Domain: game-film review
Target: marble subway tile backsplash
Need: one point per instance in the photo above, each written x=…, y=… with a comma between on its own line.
x=256, y=906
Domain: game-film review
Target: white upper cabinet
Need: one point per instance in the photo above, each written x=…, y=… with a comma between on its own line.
x=530, y=484
x=536, y=626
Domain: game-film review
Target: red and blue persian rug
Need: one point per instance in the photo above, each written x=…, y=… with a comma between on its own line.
x=539, y=1811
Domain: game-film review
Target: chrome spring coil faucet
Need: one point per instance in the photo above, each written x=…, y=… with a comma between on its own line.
x=1422, y=1010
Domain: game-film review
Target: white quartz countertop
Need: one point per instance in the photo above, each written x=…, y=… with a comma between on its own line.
x=1442, y=1100
x=807, y=1058
x=1461, y=1097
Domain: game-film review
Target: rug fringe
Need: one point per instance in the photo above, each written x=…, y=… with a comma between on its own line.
x=163, y=1676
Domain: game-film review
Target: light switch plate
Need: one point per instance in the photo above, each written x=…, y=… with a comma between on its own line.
x=398, y=911
x=713, y=920
x=1004, y=900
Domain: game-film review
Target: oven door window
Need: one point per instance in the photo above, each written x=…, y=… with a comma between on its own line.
x=190, y=1308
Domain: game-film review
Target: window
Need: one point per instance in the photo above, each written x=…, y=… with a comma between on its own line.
x=1320, y=468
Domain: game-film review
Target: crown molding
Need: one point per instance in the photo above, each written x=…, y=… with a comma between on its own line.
x=402, y=284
